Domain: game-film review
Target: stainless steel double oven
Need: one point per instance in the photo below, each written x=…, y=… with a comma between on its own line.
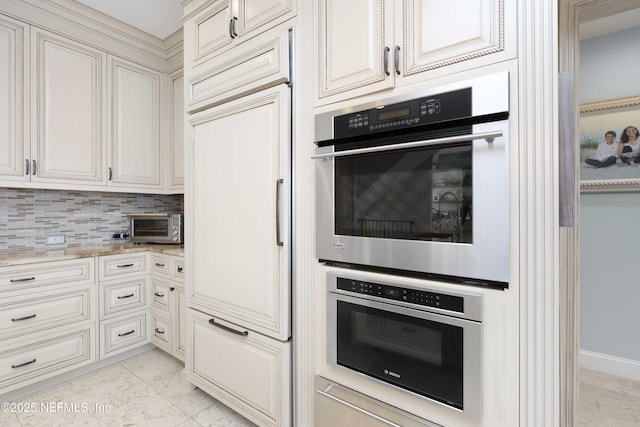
x=418, y=183
x=413, y=192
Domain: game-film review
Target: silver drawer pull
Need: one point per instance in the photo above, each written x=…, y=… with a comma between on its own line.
x=26, y=279
x=159, y=264
x=23, y=364
x=159, y=295
x=228, y=329
x=158, y=331
x=127, y=333
x=17, y=319
x=125, y=296
x=125, y=265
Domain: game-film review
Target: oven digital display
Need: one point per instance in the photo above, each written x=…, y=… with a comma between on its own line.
x=394, y=114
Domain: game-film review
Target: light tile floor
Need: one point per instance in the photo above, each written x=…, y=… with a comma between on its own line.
x=150, y=389
x=607, y=400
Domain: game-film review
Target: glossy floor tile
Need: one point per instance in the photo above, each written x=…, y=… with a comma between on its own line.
x=150, y=389
x=607, y=400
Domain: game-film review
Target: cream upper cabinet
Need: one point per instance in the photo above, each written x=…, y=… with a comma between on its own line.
x=370, y=45
x=14, y=69
x=224, y=23
x=175, y=149
x=134, y=128
x=67, y=110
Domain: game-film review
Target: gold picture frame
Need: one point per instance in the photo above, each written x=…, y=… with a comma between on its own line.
x=596, y=118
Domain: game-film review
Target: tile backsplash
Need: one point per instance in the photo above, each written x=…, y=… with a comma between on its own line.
x=28, y=216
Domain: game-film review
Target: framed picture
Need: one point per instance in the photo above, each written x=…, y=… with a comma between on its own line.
x=597, y=118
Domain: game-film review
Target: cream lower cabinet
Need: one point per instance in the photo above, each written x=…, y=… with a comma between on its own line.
x=245, y=370
x=48, y=314
x=168, y=304
x=368, y=46
x=124, y=302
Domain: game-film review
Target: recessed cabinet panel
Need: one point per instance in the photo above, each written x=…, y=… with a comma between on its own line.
x=22, y=278
x=114, y=266
x=176, y=154
x=135, y=124
x=67, y=110
x=28, y=314
x=366, y=46
x=240, y=260
x=479, y=31
x=227, y=365
x=14, y=144
x=210, y=29
x=259, y=63
x=352, y=45
x=22, y=362
x=121, y=334
x=255, y=13
x=123, y=295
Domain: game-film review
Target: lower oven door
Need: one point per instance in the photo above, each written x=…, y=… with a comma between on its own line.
x=435, y=356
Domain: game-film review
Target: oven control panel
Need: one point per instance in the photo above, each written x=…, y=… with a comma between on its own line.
x=413, y=296
x=430, y=110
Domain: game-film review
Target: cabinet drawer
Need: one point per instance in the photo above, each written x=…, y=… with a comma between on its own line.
x=122, y=334
x=113, y=266
x=250, y=373
x=31, y=313
x=257, y=64
x=161, y=331
x=23, y=277
x=123, y=295
x=160, y=295
x=26, y=361
x=160, y=264
x=178, y=269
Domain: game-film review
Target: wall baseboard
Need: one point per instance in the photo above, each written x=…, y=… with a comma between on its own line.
x=612, y=365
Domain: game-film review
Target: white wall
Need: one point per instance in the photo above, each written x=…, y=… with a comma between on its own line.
x=609, y=233
x=610, y=66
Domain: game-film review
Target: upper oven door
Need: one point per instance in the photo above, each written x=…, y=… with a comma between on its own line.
x=438, y=206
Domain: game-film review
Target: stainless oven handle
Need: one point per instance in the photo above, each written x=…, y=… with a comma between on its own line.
x=489, y=136
x=356, y=408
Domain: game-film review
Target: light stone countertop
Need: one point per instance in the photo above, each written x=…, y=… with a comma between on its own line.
x=18, y=257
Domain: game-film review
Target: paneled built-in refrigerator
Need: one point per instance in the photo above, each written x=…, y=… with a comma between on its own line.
x=238, y=205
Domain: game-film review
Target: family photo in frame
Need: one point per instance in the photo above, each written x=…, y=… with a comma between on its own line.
x=610, y=145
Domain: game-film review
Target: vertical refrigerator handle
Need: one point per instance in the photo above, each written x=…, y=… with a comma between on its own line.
x=279, y=241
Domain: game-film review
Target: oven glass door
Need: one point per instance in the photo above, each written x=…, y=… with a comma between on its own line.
x=151, y=227
x=411, y=194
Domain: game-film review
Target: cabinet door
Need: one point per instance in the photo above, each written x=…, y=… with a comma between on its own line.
x=355, y=42
x=253, y=14
x=249, y=373
x=206, y=32
x=14, y=141
x=176, y=147
x=134, y=131
x=239, y=211
x=179, y=323
x=429, y=42
x=67, y=110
